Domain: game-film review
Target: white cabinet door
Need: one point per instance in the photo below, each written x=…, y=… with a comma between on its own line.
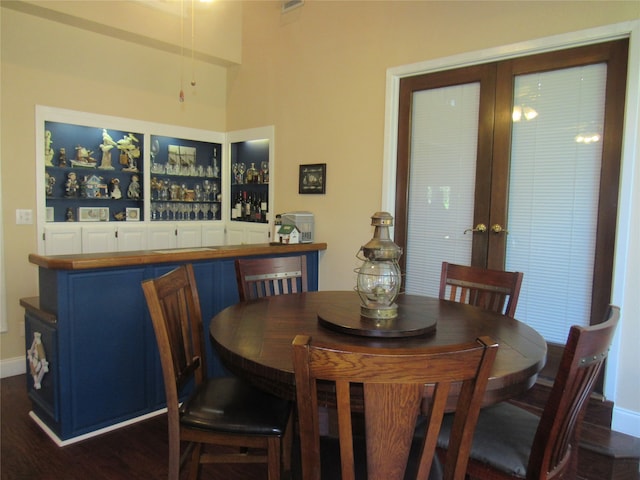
x=62, y=240
x=235, y=233
x=174, y=235
x=212, y=234
x=131, y=237
x=189, y=235
x=161, y=235
x=257, y=233
x=98, y=238
x=239, y=233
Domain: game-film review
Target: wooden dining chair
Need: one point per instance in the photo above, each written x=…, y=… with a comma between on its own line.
x=264, y=277
x=221, y=411
x=513, y=443
x=393, y=381
x=493, y=290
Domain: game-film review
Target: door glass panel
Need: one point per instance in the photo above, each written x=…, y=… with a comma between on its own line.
x=444, y=136
x=553, y=195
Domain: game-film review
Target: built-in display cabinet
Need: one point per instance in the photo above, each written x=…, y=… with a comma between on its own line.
x=119, y=184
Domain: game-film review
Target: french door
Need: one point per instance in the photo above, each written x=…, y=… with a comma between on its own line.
x=515, y=165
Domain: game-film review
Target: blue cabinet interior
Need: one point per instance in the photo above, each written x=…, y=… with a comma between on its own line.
x=69, y=137
x=104, y=366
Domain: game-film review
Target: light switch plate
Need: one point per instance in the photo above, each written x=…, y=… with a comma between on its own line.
x=24, y=217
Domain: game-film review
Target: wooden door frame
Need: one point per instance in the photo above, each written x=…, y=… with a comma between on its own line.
x=495, y=126
x=629, y=29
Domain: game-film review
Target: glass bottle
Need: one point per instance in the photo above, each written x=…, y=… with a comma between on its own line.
x=252, y=174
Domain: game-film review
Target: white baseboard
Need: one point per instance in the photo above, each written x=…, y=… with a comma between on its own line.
x=10, y=367
x=63, y=443
x=626, y=421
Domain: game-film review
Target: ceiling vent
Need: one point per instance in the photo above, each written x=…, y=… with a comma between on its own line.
x=288, y=5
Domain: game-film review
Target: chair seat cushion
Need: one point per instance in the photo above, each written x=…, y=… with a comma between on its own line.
x=228, y=404
x=503, y=437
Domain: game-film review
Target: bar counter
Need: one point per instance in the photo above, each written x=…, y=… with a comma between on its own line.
x=92, y=353
x=147, y=257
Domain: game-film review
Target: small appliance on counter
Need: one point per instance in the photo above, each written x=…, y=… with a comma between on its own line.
x=303, y=221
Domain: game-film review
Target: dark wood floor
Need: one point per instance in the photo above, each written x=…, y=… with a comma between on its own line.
x=135, y=452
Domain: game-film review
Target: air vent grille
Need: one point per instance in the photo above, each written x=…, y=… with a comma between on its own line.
x=288, y=5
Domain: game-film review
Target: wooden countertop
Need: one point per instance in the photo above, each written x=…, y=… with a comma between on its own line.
x=144, y=257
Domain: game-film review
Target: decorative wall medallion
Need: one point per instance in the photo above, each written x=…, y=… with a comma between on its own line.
x=38, y=364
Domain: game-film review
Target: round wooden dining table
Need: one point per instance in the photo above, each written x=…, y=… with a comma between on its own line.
x=253, y=338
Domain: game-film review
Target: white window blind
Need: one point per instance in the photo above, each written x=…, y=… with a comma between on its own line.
x=553, y=195
x=442, y=183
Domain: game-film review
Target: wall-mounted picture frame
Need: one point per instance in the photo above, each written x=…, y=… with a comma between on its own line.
x=93, y=214
x=133, y=214
x=313, y=178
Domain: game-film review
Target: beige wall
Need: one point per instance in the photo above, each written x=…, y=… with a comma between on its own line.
x=318, y=73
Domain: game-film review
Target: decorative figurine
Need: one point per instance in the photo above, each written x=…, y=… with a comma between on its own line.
x=48, y=151
x=129, y=152
x=116, y=193
x=133, y=192
x=93, y=186
x=120, y=216
x=62, y=157
x=69, y=215
x=84, y=158
x=106, y=146
x=71, y=187
x=50, y=181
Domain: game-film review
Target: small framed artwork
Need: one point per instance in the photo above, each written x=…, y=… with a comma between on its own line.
x=93, y=214
x=313, y=178
x=49, y=214
x=133, y=214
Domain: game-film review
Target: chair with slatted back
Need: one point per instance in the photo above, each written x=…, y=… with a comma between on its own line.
x=264, y=277
x=511, y=443
x=493, y=290
x=393, y=382
x=223, y=412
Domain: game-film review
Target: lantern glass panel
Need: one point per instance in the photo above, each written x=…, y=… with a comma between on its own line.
x=378, y=283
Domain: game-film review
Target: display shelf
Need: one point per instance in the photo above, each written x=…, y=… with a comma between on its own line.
x=175, y=210
x=185, y=182
x=82, y=185
x=182, y=183
x=250, y=175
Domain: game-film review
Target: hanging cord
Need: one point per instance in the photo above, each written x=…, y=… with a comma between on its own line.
x=193, y=43
x=181, y=96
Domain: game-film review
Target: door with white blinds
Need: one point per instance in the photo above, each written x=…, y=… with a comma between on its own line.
x=556, y=158
x=441, y=183
x=516, y=169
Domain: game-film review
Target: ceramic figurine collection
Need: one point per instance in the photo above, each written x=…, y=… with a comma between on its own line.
x=78, y=185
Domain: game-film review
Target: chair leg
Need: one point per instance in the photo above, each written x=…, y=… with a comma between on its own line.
x=274, y=456
x=287, y=444
x=194, y=464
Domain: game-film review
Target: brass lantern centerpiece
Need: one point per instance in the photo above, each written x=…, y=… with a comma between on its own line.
x=379, y=277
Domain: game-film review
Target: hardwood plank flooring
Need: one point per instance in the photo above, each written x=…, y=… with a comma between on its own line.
x=136, y=452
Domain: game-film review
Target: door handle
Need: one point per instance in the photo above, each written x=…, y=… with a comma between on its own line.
x=497, y=228
x=480, y=228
